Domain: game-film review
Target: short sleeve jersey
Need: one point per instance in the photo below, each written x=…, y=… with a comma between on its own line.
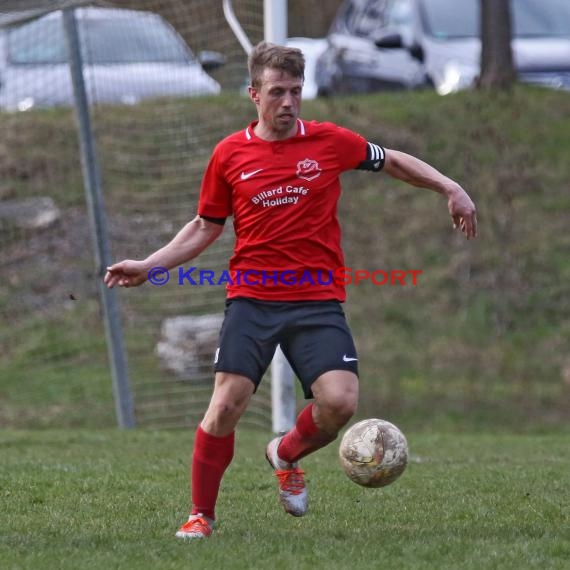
x=283, y=196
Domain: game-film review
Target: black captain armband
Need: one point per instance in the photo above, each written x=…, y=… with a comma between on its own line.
x=375, y=157
x=219, y=221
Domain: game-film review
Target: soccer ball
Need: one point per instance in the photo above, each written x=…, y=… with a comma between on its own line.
x=373, y=453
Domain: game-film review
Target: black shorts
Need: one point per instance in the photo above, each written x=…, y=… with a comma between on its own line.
x=313, y=335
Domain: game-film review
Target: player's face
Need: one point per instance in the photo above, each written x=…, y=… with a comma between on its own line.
x=278, y=101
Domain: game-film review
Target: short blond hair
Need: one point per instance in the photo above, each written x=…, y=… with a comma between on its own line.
x=266, y=55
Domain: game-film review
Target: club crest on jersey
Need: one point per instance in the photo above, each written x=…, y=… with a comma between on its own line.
x=308, y=169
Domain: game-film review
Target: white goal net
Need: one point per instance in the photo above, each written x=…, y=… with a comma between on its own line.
x=148, y=65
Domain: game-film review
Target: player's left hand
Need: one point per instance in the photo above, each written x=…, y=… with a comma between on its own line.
x=463, y=212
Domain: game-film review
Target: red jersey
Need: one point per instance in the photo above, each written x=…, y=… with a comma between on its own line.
x=283, y=196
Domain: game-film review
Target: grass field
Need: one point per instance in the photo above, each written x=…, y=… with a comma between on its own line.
x=110, y=499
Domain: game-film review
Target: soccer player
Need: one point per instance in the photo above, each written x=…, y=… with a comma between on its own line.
x=279, y=179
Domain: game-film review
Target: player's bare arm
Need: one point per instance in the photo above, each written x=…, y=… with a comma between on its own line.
x=188, y=243
x=418, y=173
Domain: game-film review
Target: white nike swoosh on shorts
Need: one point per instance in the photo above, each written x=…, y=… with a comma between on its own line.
x=348, y=358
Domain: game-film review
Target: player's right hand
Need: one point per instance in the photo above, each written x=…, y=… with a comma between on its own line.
x=126, y=273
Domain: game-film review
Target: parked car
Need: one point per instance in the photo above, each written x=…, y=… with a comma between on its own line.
x=128, y=56
x=312, y=50
x=407, y=44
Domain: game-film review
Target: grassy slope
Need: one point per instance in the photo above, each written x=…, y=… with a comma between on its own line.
x=483, y=337
x=105, y=499
x=490, y=319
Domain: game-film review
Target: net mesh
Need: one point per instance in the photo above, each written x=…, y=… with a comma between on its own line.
x=152, y=152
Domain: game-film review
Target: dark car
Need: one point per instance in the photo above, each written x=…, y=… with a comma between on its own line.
x=377, y=45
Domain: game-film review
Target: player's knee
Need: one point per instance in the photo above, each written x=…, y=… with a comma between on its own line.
x=341, y=409
x=229, y=401
x=222, y=416
x=224, y=409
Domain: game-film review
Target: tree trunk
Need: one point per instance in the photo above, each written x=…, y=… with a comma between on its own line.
x=497, y=68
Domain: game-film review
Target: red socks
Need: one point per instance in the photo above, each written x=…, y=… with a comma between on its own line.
x=212, y=456
x=304, y=438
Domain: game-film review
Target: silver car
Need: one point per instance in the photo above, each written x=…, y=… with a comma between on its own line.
x=128, y=56
x=406, y=44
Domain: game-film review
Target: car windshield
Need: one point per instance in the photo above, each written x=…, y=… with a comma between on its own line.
x=104, y=41
x=531, y=18
x=372, y=15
